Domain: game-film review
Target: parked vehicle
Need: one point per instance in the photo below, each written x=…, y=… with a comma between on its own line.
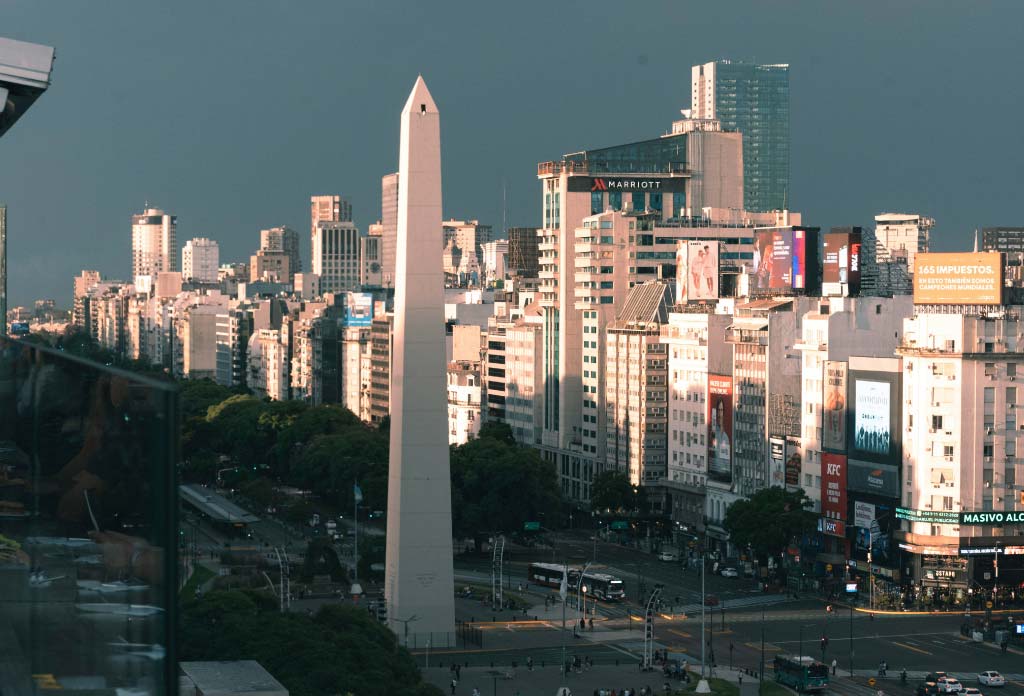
x=730, y=573
x=991, y=678
x=668, y=556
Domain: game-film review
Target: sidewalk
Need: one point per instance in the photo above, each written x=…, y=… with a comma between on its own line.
x=547, y=680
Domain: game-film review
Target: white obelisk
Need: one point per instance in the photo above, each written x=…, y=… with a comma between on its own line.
x=419, y=583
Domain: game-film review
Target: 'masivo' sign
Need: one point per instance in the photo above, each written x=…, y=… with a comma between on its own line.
x=994, y=519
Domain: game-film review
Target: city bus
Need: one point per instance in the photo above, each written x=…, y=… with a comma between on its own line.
x=599, y=585
x=801, y=673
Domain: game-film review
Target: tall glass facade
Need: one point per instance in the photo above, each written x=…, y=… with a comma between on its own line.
x=88, y=542
x=754, y=100
x=659, y=156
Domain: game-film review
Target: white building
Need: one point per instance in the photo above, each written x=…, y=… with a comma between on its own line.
x=331, y=208
x=468, y=235
x=888, y=253
x=154, y=243
x=494, y=259
x=336, y=256
x=200, y=260
x=963, y=449
x=269, y=364
x=464, y=391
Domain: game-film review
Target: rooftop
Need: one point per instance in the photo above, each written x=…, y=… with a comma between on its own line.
x=237, y=678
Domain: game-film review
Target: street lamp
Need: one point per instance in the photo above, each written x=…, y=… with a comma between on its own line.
x=580, y=590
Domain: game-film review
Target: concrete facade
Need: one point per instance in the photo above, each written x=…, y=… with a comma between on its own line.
x=419, y=576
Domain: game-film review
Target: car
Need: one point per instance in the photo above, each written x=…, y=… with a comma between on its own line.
x=991, y=678
x=711, y=600
x=935, y=676
x=971, y=691
x=927, y=688
x=730, y=573
x=668, y=556
x=950, y=685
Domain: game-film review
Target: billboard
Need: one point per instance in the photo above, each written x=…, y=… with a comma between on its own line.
x=773, y=260
x=702, y=270
x=961, y=278
x=793, y=465
x=720, y=427
x=880, y=479
x=777, y=462
x=876, y=537
x=840, y=267
x=682, y=272
x=863, y=513
x=358, y=309
x=874, y=435
x=834, y=407
x=833, y=485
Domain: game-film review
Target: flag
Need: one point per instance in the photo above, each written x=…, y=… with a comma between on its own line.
x=357, y=492
x=563, y=588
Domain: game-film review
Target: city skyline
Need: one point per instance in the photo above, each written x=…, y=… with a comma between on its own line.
x=229, y=173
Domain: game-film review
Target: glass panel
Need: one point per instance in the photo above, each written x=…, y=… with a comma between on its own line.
x=88, y=546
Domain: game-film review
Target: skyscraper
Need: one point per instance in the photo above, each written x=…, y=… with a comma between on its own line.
x=327, y=209
x=753, y=99
x=389, y=226
x=200, y=260
x=888, y=253
x=154, y=243
x=286, y=240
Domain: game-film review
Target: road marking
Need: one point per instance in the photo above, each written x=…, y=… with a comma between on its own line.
x=911, y=647
x=1016, y=682
x=767, y=646
x=684, y=634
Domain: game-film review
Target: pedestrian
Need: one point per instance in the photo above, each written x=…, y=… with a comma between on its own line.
x=476, y=691
x=454, y=684
x=835, y=664
x=529, y=663
x=741, y=681
x=592, y=625
x=458, y=671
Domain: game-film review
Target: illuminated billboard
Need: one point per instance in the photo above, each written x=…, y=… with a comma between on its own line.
x=720, y=427
x=777, y=459
x=961, y=278
x=834, y=411
x=785, y=259
x=872, y=424
x=876, y=537
x=840, y=266
x=359, y=309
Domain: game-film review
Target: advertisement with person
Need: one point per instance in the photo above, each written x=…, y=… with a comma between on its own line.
x=773, y=259
x=793, y=465
x=720, y=427
x=872, y=425
x=682, y=272
x=702, y=270
x=876, y=537
x=834, y=407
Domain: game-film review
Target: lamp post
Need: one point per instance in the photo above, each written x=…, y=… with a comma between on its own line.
x=580, y=591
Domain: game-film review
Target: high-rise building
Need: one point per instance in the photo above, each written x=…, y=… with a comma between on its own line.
x=273, y=266
x=200, y=260
x=468, y=235
x=327, y=209
x=888, y=253
x=389, y=226
x=464, y=392
x=336, y=256
x=154, y=243
x=286, y=240
x=754, y=100
x=494, y=260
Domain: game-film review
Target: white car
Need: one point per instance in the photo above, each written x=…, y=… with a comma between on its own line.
x=971, y=691
x=668, y=556
x=991, y=678
x=950, y=685
x=730, y=573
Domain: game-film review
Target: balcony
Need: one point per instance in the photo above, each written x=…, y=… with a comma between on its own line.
x=89, y=548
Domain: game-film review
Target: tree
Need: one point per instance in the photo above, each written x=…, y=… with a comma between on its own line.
x=769, y=520
x=341, y=649
x=498, y=485
x=611, y=491
x=322, y=559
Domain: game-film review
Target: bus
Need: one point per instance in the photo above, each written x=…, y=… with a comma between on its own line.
x=599, y=585
x=801, y=672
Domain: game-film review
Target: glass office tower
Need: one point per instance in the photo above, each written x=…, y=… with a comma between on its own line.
x=754, y=100
x=88, y=541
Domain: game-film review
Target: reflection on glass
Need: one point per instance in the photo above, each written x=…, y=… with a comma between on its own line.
x=87, y=520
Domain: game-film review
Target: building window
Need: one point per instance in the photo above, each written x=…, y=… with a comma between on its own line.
x=615, y=200
x=936, y=423
x=656, y=202
x=596, y=202
x=639, y=201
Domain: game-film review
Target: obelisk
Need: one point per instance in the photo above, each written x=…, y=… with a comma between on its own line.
x=419, y=583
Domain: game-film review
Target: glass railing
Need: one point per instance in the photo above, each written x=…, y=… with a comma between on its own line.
x=88, y=541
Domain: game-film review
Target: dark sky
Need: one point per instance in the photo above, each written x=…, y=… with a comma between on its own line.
x=230, y=114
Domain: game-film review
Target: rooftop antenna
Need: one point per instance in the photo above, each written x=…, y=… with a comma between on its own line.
x=504, y=208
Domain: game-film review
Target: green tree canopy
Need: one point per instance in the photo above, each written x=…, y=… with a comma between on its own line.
x=498, y=485
x=769, y=520
x=611, y=491
x=339, y=650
